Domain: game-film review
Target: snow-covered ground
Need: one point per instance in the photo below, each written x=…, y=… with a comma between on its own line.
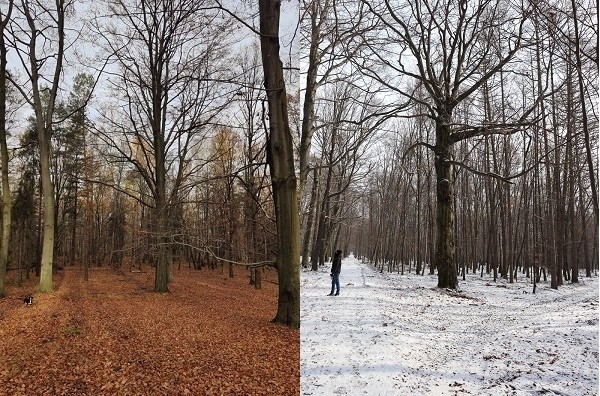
x=388, y=334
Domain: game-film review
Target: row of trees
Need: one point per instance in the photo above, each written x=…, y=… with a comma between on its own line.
x=500, y=97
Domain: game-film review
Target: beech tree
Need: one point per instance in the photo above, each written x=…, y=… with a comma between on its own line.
x=37, y=34
x=280, y=156
x=5, y=16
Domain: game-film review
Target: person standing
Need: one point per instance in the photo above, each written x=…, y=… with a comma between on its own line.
x=336, y=267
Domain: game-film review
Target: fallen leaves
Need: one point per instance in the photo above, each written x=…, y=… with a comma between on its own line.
x=112, y=335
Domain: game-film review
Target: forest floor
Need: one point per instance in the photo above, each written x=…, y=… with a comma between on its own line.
x=392, y=334
x=112, y=335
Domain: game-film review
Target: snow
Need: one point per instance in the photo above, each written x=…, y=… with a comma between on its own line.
x=391, y=334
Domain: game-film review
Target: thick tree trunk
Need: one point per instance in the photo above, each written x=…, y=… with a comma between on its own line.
x=445, y=252
x=280, y=157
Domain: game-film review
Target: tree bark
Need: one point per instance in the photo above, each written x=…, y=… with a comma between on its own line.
x=309, y=222
x=280, y=157
x=48, y=216
x=445, y=251
x=6, y=198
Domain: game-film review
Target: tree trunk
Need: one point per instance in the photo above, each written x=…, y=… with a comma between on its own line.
x=584, y=227
x=161, y=216
x=48, y=216
x=587, y=140
x=258, y=278
x=445, y=252
x=308, y=111
x=324, y=223
x=550, y=226
x=570, y=172
x=6, y=198
x=280, y=157
x=44, y=111
x=418, y=214
x=309, y=222
x=161, y=275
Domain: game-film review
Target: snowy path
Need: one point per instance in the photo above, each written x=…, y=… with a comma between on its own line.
x=388, y=334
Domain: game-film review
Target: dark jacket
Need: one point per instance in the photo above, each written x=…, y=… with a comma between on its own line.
x=336, y=266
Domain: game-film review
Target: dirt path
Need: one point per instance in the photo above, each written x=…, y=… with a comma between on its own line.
x=113, y=336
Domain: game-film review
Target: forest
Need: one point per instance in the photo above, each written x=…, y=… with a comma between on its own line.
x=448, y=137
x=452, y=136
x=176, y=145
x=147, y=180
x=135, y=135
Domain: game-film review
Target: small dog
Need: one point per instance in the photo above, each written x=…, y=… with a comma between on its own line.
x=28, y=300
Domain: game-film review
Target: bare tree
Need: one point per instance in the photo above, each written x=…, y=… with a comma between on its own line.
x=518, y=150
x=579, y=57
x=254, y=178
x=171, y=63
x=443, y=46
x=38, y=34
x=5, y=16
x=341, y=141
x=321, y=40
x=280, y=156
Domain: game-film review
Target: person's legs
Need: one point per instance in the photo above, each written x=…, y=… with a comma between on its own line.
x=336, y=282
x=332, y=284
